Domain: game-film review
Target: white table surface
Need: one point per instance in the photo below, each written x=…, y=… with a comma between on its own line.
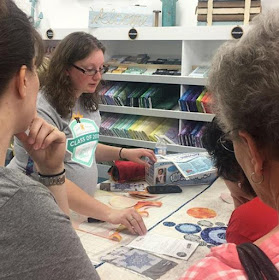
x=174, y=208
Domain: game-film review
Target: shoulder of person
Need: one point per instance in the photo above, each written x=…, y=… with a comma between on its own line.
x=12, y=180
x=30, y=217
x=48, y=112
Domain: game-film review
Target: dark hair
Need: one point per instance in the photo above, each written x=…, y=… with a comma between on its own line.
x=19, y=42
x=58, y=87
x=227, y=166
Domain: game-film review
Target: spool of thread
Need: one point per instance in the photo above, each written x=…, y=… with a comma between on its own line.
x=156, y=20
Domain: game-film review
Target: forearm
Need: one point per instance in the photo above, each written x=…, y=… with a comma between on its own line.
x=85, y=204
x=106, y=153
x=60, y=194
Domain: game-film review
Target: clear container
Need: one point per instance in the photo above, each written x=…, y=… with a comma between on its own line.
x=161, y=147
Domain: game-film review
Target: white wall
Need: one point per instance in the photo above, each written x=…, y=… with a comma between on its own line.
x=74, y=13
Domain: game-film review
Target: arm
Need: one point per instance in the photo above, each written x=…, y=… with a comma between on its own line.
x=87, y=205
x=60, y=194
x=48, y=248
x=46, y=146
x=110, y=153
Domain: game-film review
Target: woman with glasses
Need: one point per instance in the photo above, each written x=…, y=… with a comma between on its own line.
x=244, y=82
x=69, y=101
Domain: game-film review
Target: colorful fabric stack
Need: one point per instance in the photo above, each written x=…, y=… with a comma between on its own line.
x=140, y=95
x=151, y=129
x=191, y=134
x=195, y=99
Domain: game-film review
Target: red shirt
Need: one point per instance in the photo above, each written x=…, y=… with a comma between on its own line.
x=251, y=221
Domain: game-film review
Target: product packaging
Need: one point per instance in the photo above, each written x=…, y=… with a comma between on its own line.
x=181, y=169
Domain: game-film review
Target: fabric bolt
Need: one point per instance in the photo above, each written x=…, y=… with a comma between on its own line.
x=251, y=221
x=82, y=133
x=37, y=240
x=223, y=262
x=125, y=171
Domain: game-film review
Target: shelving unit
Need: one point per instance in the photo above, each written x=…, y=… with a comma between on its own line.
x=193, y=45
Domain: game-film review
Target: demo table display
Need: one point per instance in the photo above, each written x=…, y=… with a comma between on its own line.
x=198, y=214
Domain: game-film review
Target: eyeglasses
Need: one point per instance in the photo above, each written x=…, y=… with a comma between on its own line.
x=225, y=142
x=91, y=72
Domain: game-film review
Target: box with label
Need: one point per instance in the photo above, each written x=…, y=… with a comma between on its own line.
x=181, y=169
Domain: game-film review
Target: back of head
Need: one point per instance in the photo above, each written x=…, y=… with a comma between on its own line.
x=227, y=166
x=19, y=42
x=244, y=80
x=58, y=87
x=225, y=161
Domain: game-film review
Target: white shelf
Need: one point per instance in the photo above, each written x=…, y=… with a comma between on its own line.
x=194, y=116
x=161, y=79
x=147, y=144
x=154, y=33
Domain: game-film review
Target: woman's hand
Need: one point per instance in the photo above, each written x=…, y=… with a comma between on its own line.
x=135, y=155
x=130, y=218
x=46, y=146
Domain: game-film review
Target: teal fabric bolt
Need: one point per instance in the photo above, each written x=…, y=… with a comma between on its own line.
x=168, y=12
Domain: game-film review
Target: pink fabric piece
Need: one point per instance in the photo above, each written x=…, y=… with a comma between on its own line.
x=223, y=262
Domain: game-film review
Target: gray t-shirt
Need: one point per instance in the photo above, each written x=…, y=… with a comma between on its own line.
x=37, y=240
x=82, y=138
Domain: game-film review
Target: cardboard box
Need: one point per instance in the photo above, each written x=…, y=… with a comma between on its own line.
x=165, y=171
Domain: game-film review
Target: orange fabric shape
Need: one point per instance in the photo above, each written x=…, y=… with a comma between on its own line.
x=201, y=213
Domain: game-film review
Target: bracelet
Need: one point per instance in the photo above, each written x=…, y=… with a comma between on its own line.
x=51, y=180
x=120, y=157
x=54, y=175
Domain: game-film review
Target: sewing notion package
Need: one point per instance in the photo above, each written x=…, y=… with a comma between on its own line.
x=181, y=169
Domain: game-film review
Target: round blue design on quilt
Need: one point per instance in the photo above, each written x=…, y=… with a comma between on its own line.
x=169, y=224
x=188, y=228
x=214, y=235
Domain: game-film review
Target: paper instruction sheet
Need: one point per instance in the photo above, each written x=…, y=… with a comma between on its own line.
x=164, y=245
